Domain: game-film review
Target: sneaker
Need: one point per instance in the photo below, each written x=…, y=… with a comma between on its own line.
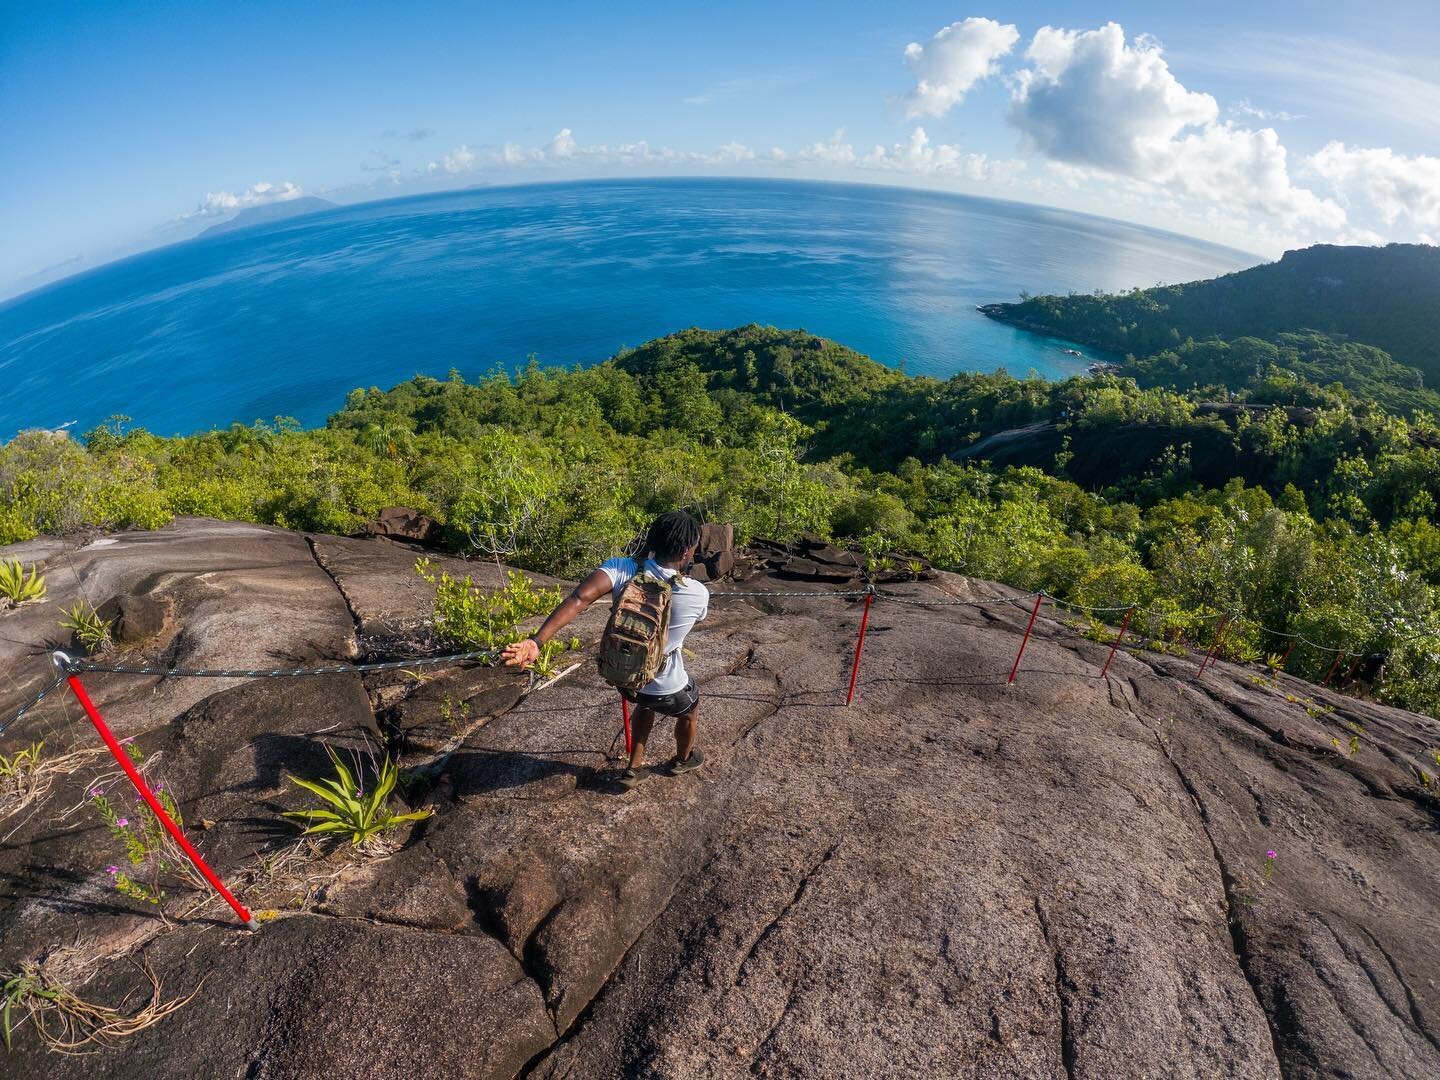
x=632, y=778
x=690, y=764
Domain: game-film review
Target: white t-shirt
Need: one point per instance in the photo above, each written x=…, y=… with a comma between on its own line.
x=689, y=603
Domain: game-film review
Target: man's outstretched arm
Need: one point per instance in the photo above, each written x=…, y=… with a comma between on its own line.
x=524, y=653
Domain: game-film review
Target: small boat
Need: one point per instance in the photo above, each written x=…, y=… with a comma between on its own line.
x=1073, y=352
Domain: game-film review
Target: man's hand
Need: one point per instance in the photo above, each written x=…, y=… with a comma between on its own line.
x=522, y=653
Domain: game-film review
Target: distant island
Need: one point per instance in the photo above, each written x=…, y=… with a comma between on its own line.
x=270, y=213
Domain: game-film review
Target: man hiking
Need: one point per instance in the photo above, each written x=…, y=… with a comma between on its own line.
x=669, y=548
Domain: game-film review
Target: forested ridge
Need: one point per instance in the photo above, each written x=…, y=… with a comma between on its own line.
x=1386, y=297
x=1311, y=513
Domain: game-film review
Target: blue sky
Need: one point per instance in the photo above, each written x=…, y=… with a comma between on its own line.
x=1256, y=125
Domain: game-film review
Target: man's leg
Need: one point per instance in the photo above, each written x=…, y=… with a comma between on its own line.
x=686, y=729
x=641, y=721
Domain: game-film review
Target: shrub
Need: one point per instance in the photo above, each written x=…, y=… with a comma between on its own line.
x=469, y=618
x=89, y=628
x=356, y=815
x=18, y=587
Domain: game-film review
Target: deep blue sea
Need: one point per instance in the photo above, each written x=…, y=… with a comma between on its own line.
x=284, y=319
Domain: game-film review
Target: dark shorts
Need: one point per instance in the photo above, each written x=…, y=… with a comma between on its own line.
x=679, y=703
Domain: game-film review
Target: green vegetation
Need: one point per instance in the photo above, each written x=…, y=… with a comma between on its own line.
x=17, y=587
x=547, y=664
x=19, y=770
x=153, y=856
x=356, y=815
x=90, y=630
x=468, y=617
x=1385, y=297
x=1312, y=512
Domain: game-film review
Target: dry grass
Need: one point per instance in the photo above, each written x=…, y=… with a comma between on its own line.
x=289, y=881
x=27, y=776
x=42, y=994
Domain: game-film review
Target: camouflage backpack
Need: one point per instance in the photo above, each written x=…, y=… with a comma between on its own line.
x=633, y=647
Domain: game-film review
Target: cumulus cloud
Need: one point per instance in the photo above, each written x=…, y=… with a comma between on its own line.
x=1395, y=185
x=916, y=156
x=919, y=155
x=1091, y=99
x=562, y=145
x=459, y=160
x=734, y=151
x=227, y=202
x=836, y=151
x=953, y=61
x=1224, y=163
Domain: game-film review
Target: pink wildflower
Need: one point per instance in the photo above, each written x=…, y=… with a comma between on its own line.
x=122, y=822
x=112, y=870
x=1269, y=854
x=96, y=792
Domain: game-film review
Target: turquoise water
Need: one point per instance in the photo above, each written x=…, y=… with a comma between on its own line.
x=284, y=319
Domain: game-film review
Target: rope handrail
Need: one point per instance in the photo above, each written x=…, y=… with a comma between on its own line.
x=848, y=595
x=1202, y=618
x=33, y=702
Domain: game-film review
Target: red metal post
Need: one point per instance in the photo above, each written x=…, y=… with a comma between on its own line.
x=1118, y=638
x=1350, y=675
x=1328, y=675
x=1219, y=637
x=118, y=752
x=1015, y=667
x=625, y=712
x=1288, y=650
x=859, y=647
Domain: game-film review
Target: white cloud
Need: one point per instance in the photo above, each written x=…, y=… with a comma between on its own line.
x=1226, y=164
x=227, y=202
x=1357, y=238
x=1092, y=100
x=734, y=151
x=1254, y=112
x=459, y=160
x=562, y=145
x=919, y=155
x=836, y=151
x=1394, y=185
x=954, y=60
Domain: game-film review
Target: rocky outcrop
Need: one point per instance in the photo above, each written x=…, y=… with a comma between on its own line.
x=949, y=878
x=403, y=523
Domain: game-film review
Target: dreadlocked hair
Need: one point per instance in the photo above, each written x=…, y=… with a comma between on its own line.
x=671, y=535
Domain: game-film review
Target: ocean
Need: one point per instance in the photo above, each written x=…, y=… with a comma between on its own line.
x=284, y=319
